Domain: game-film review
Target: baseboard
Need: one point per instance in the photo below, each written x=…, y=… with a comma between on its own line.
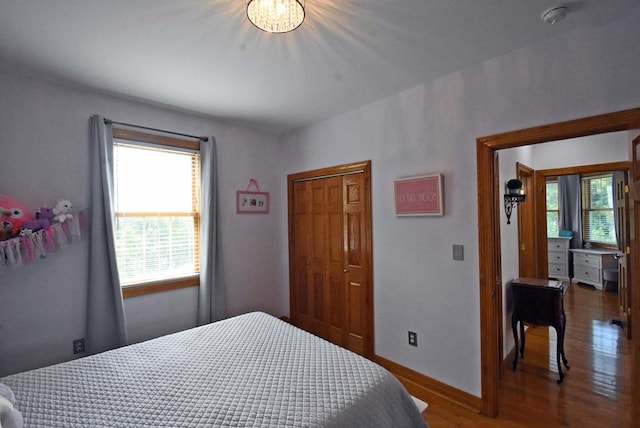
x=422, y=386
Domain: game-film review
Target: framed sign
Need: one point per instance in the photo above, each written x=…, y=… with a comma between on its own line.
x=252, y=202
x=419, y=196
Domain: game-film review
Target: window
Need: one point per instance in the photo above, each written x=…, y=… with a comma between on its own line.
x=597, y=209
x=157, y=210
x=553, y=208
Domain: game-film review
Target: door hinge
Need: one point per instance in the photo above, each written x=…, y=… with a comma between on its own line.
x=627, y=250
x=626, y=188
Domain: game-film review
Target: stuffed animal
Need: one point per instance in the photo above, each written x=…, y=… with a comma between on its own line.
x=44, y=217
x=62, y=211
x=12, y=214
x=25, y=231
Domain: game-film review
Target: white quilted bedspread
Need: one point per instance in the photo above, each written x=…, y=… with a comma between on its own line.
x=249, y=371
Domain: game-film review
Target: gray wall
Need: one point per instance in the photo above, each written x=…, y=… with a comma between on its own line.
x=433, y=128
x=44, y=133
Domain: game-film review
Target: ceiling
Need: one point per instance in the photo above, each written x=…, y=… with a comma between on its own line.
x=204, y=56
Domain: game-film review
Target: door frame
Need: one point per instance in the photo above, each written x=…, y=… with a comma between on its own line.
x=363, y=167
x=527, y=216
x=488, y=222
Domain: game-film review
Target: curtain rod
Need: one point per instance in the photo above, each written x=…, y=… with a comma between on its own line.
x=109, y=121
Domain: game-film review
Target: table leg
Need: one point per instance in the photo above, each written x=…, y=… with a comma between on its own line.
x=514, y=327
x=564, y=358
x=522, y=339
x=558, y=352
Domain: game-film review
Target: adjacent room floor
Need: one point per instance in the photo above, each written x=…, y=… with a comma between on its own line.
x=596, y=391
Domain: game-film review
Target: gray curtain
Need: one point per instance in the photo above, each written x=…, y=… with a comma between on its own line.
x=106, y=328
x=211, y=301
x=569, y=187
x=617, y=175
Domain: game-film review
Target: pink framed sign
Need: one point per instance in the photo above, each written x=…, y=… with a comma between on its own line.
x=252, y=202
x=248, y=202
x=419, y=196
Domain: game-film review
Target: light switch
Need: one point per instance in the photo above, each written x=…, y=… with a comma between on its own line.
x=458, y=252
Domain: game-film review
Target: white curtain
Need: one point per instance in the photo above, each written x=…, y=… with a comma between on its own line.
x=106, y=328
x=211, y=301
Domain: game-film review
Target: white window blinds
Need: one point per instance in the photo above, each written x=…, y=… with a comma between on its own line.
x=157, y=199
x=597, y=209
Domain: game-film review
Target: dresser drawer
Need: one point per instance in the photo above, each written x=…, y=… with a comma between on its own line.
x=586, y=272
x=557, y=270
x=557, y=257
x=592, y=260
x=557, y=245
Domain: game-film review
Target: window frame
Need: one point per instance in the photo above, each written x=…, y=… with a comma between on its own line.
x=585, y=194
x=158, y=286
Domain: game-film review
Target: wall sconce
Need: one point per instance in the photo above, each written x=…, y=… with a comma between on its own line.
x=513, y=197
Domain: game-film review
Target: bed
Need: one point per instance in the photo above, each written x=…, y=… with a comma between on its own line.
x=251, y=370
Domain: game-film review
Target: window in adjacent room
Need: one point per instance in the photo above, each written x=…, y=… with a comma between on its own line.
x=597, y=209
x=553, y=210
x=157, y=212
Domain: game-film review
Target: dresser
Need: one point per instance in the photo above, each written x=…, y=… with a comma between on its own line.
x=588, y=265
x=558, y=257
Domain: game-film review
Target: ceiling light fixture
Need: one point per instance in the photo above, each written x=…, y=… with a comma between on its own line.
x=555, y=14
x=276, y=16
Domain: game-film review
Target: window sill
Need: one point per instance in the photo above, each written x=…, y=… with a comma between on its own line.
x=159, y=287
x=603, y=245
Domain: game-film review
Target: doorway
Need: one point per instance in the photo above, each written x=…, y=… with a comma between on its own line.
x=330, y=254
x=489, y=238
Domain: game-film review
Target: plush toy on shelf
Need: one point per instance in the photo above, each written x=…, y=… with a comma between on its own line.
x=44, y=218
x=13, y=214
x=62, y=211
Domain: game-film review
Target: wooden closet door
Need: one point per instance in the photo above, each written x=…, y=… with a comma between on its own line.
x=355, y=278
x=319, y=249
x=300, y=258
x=329, y=255
x=336, y=308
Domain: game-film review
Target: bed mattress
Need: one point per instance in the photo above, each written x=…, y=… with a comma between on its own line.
x=252, y=370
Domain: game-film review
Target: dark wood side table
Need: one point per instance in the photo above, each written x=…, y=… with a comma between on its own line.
x=539, y=302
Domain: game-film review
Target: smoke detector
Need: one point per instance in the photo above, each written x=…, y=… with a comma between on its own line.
x=554, y=14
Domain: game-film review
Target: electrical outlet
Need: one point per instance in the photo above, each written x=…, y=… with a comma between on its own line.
x=413, y=338
x=458, y=252
x=78, y=346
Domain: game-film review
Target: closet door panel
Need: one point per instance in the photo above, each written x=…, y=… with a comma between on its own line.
x=318, y=253
x=354, y=232
x=335, y=259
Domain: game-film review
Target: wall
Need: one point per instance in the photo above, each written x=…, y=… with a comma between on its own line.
x=594, y=149
x=509, y=253
x=44, y=134
x=433, y=128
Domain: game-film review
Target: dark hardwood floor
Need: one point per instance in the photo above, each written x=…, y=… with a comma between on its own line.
x=596, y=391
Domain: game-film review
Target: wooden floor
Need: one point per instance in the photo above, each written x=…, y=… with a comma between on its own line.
x=596, y=391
